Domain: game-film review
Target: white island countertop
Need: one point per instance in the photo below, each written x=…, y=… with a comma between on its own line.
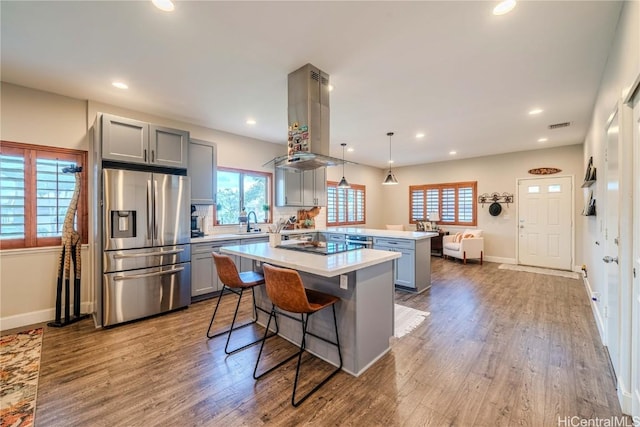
x=394, y=234
x=321, y=265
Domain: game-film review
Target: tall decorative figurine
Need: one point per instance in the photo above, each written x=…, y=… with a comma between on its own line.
x=70, y=252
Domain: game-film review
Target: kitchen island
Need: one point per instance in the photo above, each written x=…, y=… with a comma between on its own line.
x=362, y=279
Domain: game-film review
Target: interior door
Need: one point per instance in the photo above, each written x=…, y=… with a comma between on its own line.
x=635, y=333
x=612, y=233
x=545, y=233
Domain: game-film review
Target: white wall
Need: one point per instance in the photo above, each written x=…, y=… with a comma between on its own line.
x=623, y=67
x=493, y=174
x=28, y=277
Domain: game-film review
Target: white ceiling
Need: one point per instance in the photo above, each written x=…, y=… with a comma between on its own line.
x=452, y=70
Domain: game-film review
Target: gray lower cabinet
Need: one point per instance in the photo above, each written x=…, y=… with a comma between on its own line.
x=334, y=237
x=204, y=276
x=202, y=170
x=413, y=270
x=301, y=188
x=133, y=141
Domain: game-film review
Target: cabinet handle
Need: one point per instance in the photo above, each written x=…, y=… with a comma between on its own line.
x=152, y=156
x=145, y=154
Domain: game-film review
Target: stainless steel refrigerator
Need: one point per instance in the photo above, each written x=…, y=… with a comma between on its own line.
x=146, y=253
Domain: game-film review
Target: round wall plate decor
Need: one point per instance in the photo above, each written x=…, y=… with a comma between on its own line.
x=495, y=208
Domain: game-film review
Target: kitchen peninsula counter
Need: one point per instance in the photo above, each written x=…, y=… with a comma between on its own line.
x=362, y=279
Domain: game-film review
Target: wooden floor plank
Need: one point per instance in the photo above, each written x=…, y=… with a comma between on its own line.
x=499, y=348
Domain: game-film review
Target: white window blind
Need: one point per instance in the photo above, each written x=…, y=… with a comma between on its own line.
x=12, y=189
x=454, y=202
x=345, y=205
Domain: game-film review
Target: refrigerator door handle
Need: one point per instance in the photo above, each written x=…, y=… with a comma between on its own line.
x=146, y=254
x=149, y=211
x=155, y=209
x=140, y=276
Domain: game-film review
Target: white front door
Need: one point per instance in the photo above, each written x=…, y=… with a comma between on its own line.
x=545, y=226
x=612, y=236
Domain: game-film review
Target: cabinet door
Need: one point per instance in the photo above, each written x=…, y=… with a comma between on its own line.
x=405, y=269
x=308, y=188
x=289, y=187
x=124, y=140
x=168, y=147
x=320, y=187
x=204, y=278
x=202, y=170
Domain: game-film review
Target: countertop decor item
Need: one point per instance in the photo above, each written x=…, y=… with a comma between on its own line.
x=544, y=171
x=391, y=178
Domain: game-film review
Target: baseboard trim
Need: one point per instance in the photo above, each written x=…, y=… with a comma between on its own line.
x=625, y=397
x=594, y=308
x=500, y=260
x=33, y=317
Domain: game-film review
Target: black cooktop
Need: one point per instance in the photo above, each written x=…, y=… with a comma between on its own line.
x=321, y=248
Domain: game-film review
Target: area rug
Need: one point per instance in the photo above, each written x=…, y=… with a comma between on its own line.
x=547, y=271
x=407, y=319
x=19, y=370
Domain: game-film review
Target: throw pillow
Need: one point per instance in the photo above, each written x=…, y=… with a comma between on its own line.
x=457, y=237
x=467, y=236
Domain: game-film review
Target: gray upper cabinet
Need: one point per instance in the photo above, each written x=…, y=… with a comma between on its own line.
x=168, y=147
x=202, y=170
x=301, y=188
x=133, y=141
x=124, y=140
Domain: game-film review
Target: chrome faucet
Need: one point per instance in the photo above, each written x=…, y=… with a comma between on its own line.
x=249, y=220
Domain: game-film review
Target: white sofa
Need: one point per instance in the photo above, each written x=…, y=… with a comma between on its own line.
x=466, y=245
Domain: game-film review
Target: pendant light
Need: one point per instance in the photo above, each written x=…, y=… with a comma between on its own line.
x=343, y=182
x=391, y=178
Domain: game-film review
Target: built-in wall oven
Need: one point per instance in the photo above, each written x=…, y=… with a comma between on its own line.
x=365, y=242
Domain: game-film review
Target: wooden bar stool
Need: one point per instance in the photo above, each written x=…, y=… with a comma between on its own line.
x=286, y=291
x=237, y=283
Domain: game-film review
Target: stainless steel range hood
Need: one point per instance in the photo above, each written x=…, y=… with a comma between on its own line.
x=308, y=114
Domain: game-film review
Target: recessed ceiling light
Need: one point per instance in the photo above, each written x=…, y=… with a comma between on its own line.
x=503, y=7
x=390, y=161
x=120, y=85
x=164, y=5
x=351, y=150
x=453, y=153
x=330, y=88
x=251, y=122
x=535, y=111
x=543, y=139
x=419, y=135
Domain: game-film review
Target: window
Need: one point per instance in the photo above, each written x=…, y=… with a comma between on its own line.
x=345, y=206
x=454, y=202
x=35, y=194
x=239, y=189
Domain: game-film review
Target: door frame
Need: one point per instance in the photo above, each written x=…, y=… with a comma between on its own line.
x=573, y=216
x=633, y=97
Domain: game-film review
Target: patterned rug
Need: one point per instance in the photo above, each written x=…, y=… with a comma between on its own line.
x=19, y=370
x=547, y=271
x=407, y=319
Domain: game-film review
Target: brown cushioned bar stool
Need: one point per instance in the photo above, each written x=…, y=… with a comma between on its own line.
x=237, y=283
x=286, y=291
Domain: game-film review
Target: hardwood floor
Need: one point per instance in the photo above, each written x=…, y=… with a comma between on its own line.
x=499, y=348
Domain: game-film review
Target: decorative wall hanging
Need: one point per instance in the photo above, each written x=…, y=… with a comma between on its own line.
x=544, y=171
x=495, y=198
